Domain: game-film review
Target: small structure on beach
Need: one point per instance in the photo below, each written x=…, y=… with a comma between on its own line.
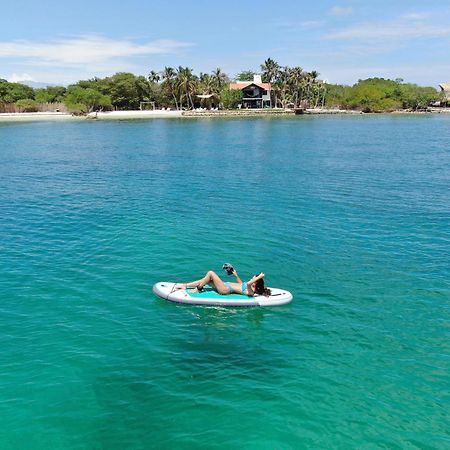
x=255, y=94
x=207, y=100
x=445, y=89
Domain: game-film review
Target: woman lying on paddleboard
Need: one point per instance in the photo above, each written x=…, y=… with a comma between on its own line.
x=253, y=286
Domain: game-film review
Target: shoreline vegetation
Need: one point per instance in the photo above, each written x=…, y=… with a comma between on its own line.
x=180, y=92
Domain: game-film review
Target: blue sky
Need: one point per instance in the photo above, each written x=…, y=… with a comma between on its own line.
x=64, y=41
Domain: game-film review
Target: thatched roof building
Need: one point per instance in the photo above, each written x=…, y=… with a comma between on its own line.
x=445, y=88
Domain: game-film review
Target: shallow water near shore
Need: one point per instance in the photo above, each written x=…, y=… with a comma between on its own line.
x=351, y=214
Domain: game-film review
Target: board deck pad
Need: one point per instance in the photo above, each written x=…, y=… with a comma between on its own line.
x=209, y=292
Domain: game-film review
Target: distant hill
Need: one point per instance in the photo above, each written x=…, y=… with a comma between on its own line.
x=36, y=84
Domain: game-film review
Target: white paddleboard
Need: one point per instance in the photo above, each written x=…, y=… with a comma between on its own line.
x=209, y=296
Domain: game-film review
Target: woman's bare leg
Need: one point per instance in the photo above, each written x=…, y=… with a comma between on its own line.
x=190, y=284
x=212, y=278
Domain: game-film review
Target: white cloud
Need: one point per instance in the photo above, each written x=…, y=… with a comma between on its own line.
x=340, y=11
x=417, y=16
x=82, y=50
x=300, y=25
x=312, y=24
x=404, y=28
x=18, y=77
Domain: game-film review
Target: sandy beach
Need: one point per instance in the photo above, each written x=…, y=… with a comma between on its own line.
x=139, y=115
x=35, y=116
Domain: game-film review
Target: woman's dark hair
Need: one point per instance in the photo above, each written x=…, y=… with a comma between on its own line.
x=260, y=289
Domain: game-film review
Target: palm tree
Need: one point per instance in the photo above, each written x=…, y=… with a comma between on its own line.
x=270, y=73
x=311, y=81
x=153, y=77
x=168, y=77
x=270, y=70
x=207, y=86
x=187, y=84
x=295, y=79
x=219, y=78
x=282, y=86
x=314, y=74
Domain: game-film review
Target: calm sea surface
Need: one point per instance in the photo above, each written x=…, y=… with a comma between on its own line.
x=351, y=214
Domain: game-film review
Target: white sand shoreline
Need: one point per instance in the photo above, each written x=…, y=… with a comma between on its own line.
x=124, y=115
x=34, y=116
x=136, y=115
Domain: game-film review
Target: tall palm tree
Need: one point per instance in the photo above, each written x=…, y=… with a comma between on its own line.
x=282, y=86
x=295, y=80
x=207, y=86
x=311, y=80
x=206, y=83
x=314, y=74
x=168, y=77
x=220, y=79
x=187, y=84
x=153, y=77
x=270, y=70
x=270, y=73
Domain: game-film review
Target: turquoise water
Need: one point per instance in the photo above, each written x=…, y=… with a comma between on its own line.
x=351, y=214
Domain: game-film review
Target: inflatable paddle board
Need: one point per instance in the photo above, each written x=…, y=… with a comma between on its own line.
x=209, y=296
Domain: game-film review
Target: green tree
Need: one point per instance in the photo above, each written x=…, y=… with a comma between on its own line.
x=417, y=97
x=220, y=79
x=336, y=95
x=168, y=77
x=186, y=83
x=206, y=84
x=296, y=81
x=271, y=72
x=154, y=77
x=245, y=75
x=27, y=105
x=50, y=94
x=126, y=90
x=282, y=87
x=11, y=92
x=3, y=89
x=373, y=95
x=230, y=98
x=86, y=100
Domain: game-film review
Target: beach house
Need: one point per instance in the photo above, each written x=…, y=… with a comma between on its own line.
x=445, y=89
x=255, y=94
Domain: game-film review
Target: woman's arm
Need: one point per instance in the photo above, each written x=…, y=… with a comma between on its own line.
x=238, y=280
x=257, y=277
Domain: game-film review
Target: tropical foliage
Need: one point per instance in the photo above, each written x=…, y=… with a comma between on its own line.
x=293, y=86
x=230, y=98
x=12, y=92
x=50, y=94
x=181, y=88
x=86, y=99
x=378, y=95
x=27, y=105
x=245, y=75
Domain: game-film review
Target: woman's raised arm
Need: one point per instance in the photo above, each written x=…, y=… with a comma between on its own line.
x=257, y=277
x=237, y=276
